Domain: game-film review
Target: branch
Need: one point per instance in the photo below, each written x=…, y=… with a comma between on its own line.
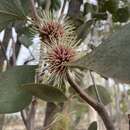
x=14, y=51
x=24, y=119
x=93, y=103
x=33, y=10
x=4, y=52
x=62, y=10
x=32, y=113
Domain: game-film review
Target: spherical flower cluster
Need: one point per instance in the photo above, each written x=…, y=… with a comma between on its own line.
x=50, y=28
x=57, y=57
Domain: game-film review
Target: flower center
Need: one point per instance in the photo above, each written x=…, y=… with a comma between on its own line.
x=58, y=56
x=51, y=30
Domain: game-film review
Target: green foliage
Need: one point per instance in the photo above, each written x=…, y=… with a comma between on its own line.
x=45, y=92
x=121, y=15
x=111, y=6
x=11, y=11
x=89, y=8
x=93, y=126
x=103, y=92
x=25, y=5
x=55, y=4
x=12, y=98
x=25, y=40
x=111, y=58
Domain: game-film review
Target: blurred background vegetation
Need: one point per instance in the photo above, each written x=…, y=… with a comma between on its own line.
x=95, y=21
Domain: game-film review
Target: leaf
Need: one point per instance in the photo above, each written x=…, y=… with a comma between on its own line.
x=10, y=11
x=12, y=98
x=45, y=92
x=103, y=92
x=55, y=4
x=111, y=58
x=89, y=8
x=25, y=5
x=121, y=15
x=111, y=5
x=93, y=126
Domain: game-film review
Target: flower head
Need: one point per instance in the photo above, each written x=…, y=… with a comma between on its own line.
x=56, y=58
x=50, y=28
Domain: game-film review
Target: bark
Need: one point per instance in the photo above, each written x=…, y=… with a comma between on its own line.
x=74, y=7
x=74, y=12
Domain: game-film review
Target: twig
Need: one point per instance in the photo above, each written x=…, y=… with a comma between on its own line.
x=62, y=10
x=32, y=59
x=93, y=103
x=33, y=10
x=31, y=116
x=24, y=119
x=4, y=52
x=14, y=52
x=96, y=89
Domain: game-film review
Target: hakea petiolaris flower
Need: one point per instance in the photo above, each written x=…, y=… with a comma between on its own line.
x=50, y=28
x=56, y=57
x=58, y=47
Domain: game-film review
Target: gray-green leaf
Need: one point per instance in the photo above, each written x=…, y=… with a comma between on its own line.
x=103, y=93
x=10, y=11
x=12, y=98
x=111, y=58
x=45, y=92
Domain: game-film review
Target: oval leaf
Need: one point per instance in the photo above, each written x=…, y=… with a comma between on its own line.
x=11, y=11
x=45, y=92
x=103, y=92
x=111, y=58
x=93, y=126
x=12, y=98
